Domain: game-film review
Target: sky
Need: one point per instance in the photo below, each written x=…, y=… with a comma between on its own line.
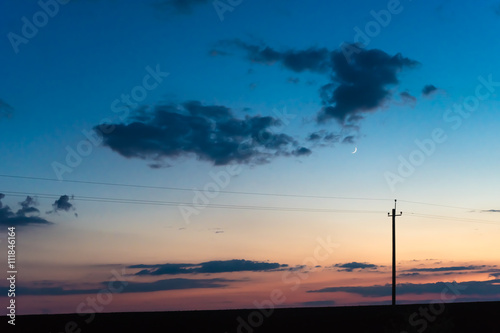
x=187, y=154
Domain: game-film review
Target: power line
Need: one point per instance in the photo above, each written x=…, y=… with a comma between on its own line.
x=244, y=207
x=437, y=205
x=173, y=203
x=228, y=192
x=190, y=189
x=452, y=218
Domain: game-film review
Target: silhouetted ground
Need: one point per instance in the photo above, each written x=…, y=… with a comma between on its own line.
x=456, y=317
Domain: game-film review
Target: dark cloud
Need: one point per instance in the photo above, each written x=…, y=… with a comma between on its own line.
x=151, y=266
x=358, y=85
x=215, y=53
x=314, y=137
x=62, y=204
x=496, y=9
x=491, y=269
x=175, y=284
x=179, y=6
x=429, y=89
x=210, y=133
x=445, y=269
x=235, y=265
x=312, y=59
x=408, y=274
x=130, y=287
x=407, y=98
x=361, y=85
x=349, y=139
x=473, y=288
x=303, y=151
x=170, y=269
x=6, y=111
x=491, y=211
x=195, y=108
x=217, y=230
x=26, y=215
x=294, y=80
x=349, y=267
x=28, y=206
x=323, y=137
x=370, y=291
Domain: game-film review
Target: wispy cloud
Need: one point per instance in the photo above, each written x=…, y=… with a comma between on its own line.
x=131, y=287
x=6, y=111
x=496, y=9
x=472, y=288
x=446, y=269
x=407, y=99
x=179, y=6
x=312, y=59
x=324, y=138
x=409, y=274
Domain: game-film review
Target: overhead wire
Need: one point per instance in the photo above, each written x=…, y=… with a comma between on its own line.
x=230, y=192
x=174, y=203
x=213, y=205
x=437, y=205
x=451, y=218
x=191, y=189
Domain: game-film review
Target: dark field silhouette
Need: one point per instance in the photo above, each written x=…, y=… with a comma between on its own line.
x=456, y=317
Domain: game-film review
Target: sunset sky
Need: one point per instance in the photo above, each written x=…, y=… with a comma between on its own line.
x=212, y=154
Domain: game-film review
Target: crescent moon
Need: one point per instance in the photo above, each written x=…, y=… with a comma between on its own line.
x=355, y=150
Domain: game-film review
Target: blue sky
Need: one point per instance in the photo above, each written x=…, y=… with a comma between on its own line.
x=264, y=88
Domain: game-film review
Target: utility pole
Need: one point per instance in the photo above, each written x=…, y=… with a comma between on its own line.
x=393, y=215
